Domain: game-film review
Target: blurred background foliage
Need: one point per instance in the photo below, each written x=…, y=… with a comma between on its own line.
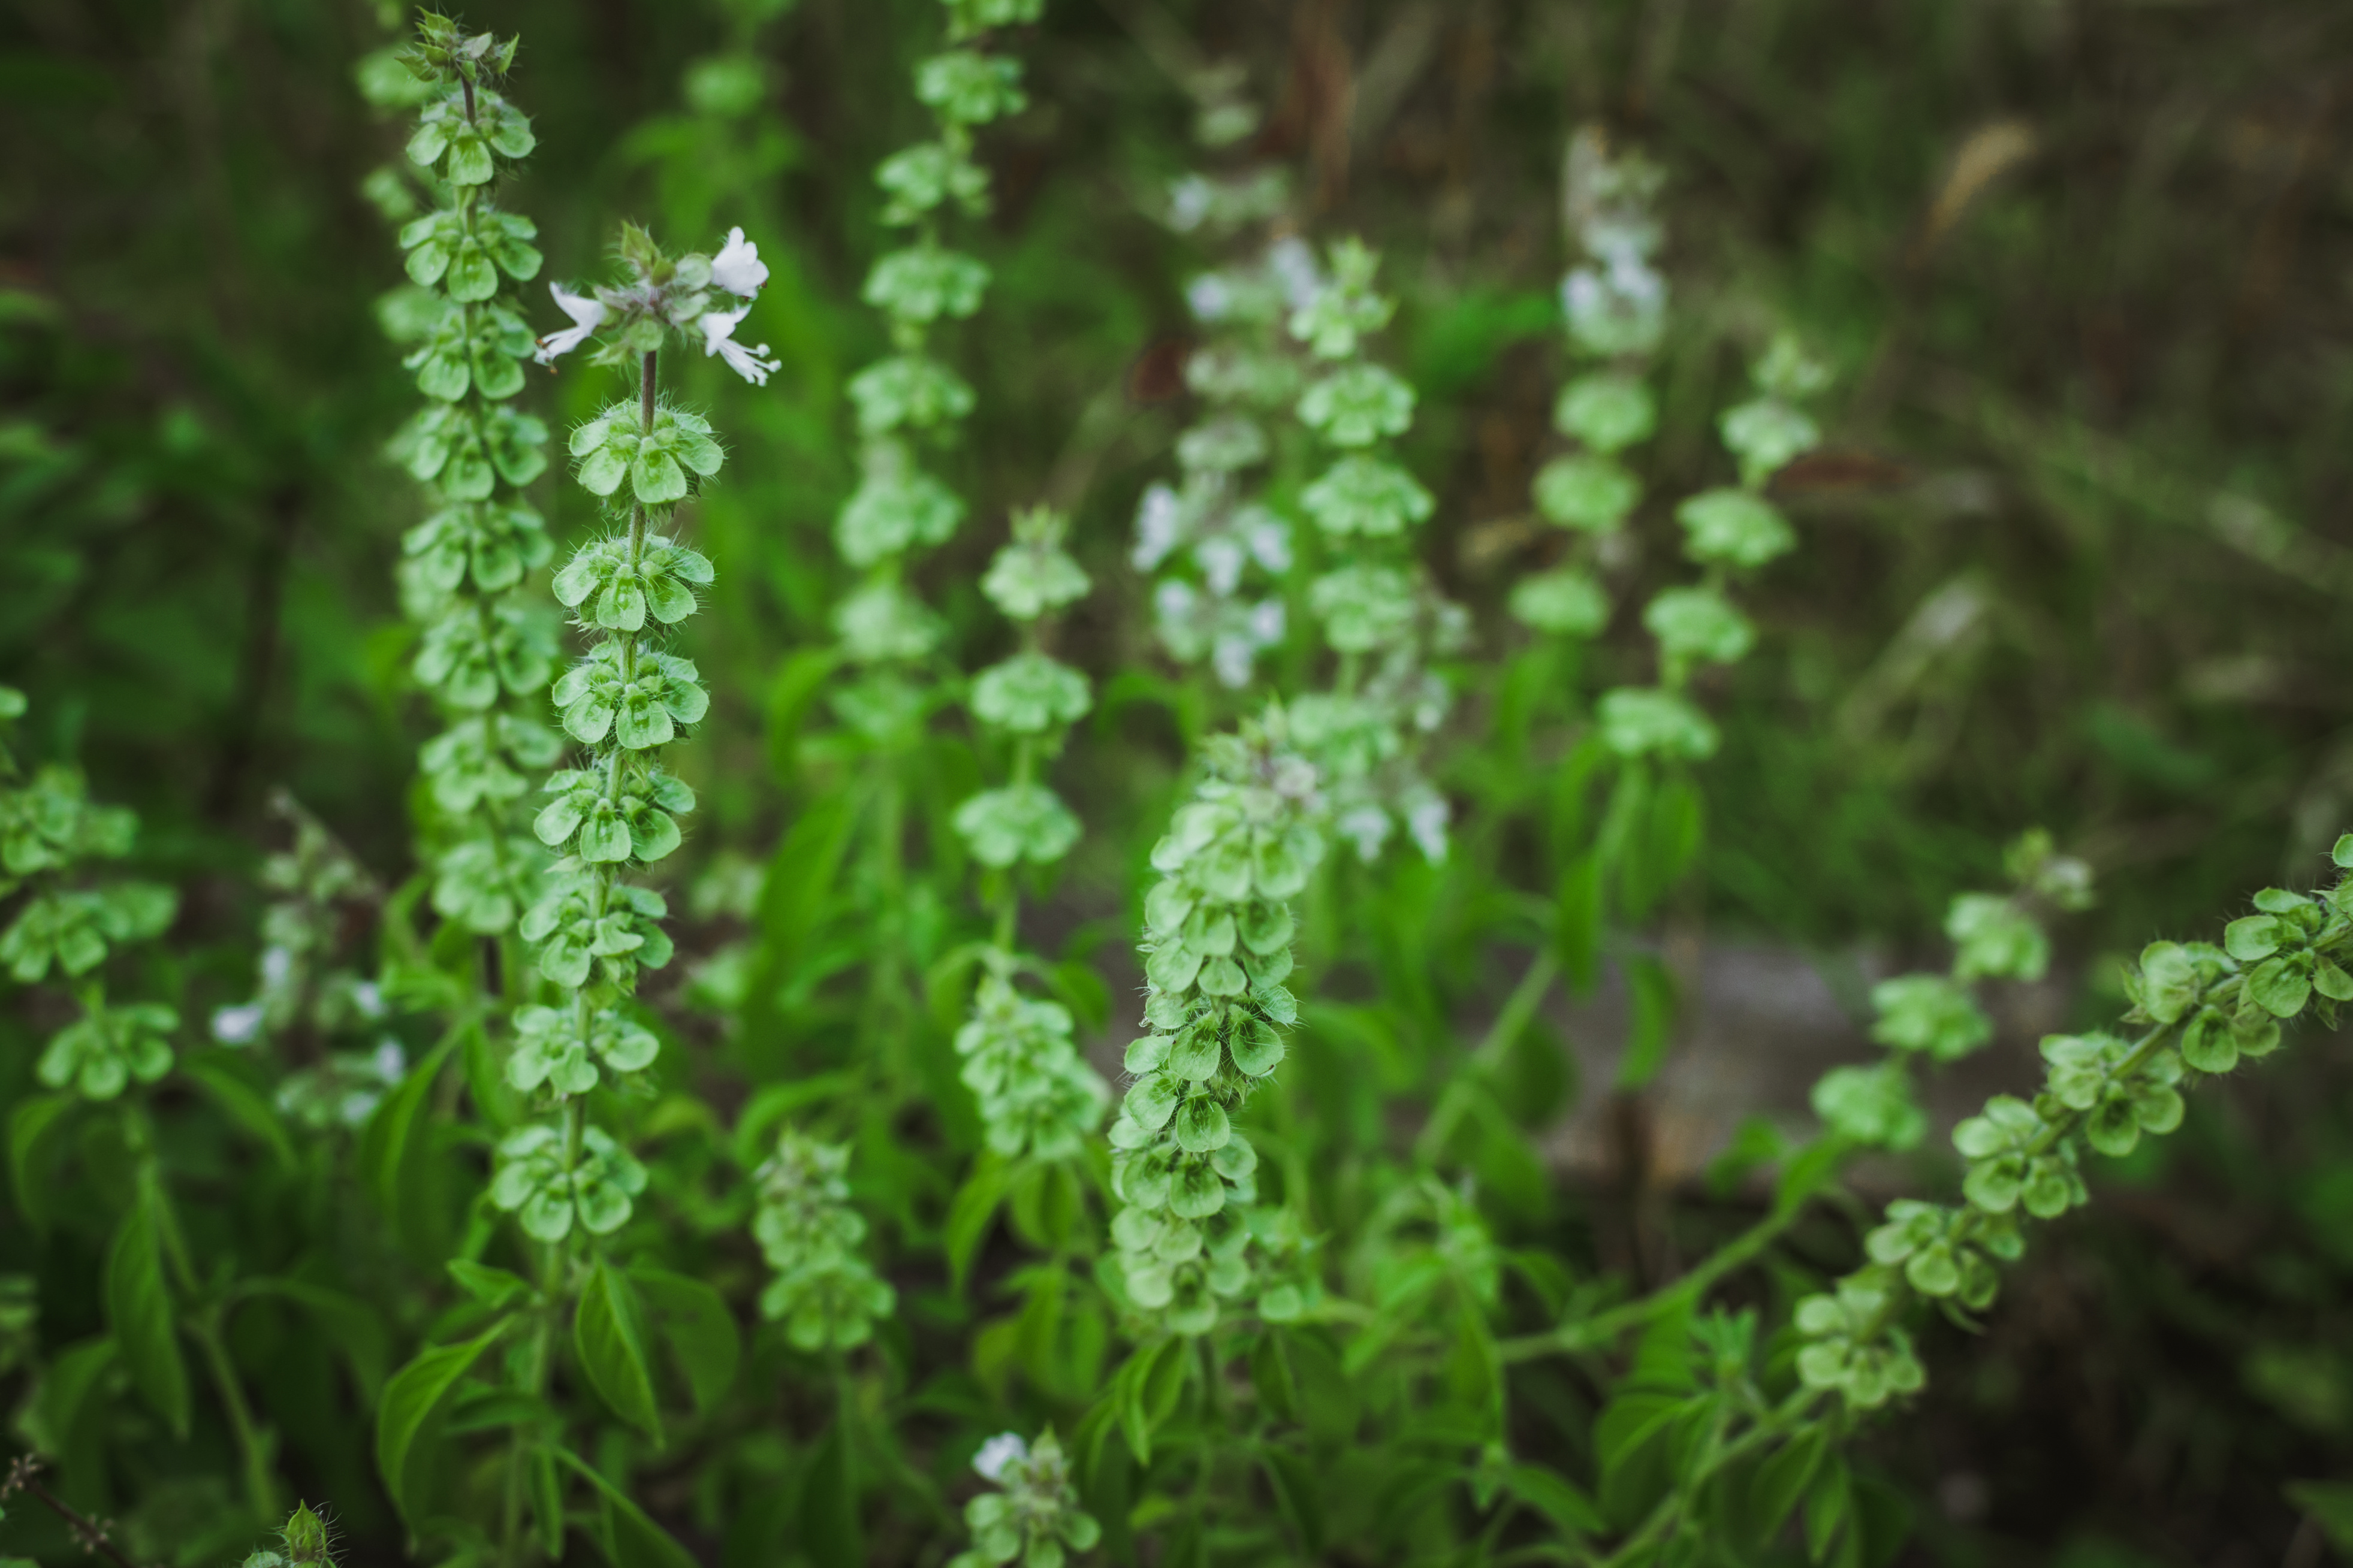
x=2074, y=555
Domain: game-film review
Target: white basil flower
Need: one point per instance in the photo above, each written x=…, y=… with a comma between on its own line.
x=998, y=1453
x=739, y=270
x=1159, y=526
x=718, y=338
x=587, y=315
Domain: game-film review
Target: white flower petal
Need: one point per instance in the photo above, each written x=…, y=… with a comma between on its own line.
x=998, y=1453
x=718, y=338
x=738, y=268
x=587, y=314
x=238, y=1025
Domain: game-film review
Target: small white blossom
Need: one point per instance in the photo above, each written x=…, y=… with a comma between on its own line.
x=1427, y=820
x=1220, y=558
x=998, y=1454
x=276, y=967
x=1266, y=621
x=587, y=315
x=368, y=997
x=1234, y=658
x=1210, y=298
x=1189, y=202
x=738, y=268
x=1159, y=525
x=1292, y=262
x=1172, y=600
x=718, y=338
x=1368, y=827
x=238, y=1025
x=1269, y=536
x=390, y=1062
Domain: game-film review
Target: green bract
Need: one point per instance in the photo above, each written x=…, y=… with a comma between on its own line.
x=824, y=1292
x=476, y=649
x=1035, y=1517
x=1697, y=624
x=1360, y=494
x=1765, y=435
x=1346, y=308
x=468, y=452
x=486, y=758
x=563, y=1049
x=2090, y=1073
x=494, y=543
x=883, y=621
x=1593, y=494
x=1030, y=694
x=908, y=391
x=1037, y=1096
x=1363, y=607
x=1870, y=1106
x=1033, y=575
x=460, y=149
x=576, y=939
x=2014, y=1159
x=619, y=586
x=472, y=349
x=75, y=927
x=1947, y=1252
x=641, y=706
x=930, y=174
x=1853, y=1349
x=1639, y=721
x=1608, y=412
x=1357, y=405
x=896, y=506
x=1995, y=940
x=926, y=283
x=1222, y=445
x=964, y=88
x=1218, y=930
x=1732, y=527
x=1018, y=822
x=610, y=448
x=534, y=1184
x=1928, y=1014
x=483, y=883
x=102, y=1052
x=602, y=825
x=466, y=251
x=1565, y=604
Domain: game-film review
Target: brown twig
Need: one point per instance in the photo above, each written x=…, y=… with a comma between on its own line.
x=88, y=1531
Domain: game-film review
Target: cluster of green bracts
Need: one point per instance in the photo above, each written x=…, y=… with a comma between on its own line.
x=1217, y=949
x=1381, y=614
x=2198, y=1009
x=624, y=700
x=487, y=647
x=912, y=399
x=1036, y=1094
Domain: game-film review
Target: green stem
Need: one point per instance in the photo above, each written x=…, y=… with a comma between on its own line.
x=1600, y=1332
x=253, y=1441
x=1517, y=1010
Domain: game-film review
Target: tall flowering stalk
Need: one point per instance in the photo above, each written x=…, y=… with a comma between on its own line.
x=1217, y=949
x=1381, y=614
x=909, y=404
x=594, y=931
x=1212, y=535
x=912, y=399
x=1036, y=1094
x=487, y=643
x=1614, y=305
x=68, y=921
